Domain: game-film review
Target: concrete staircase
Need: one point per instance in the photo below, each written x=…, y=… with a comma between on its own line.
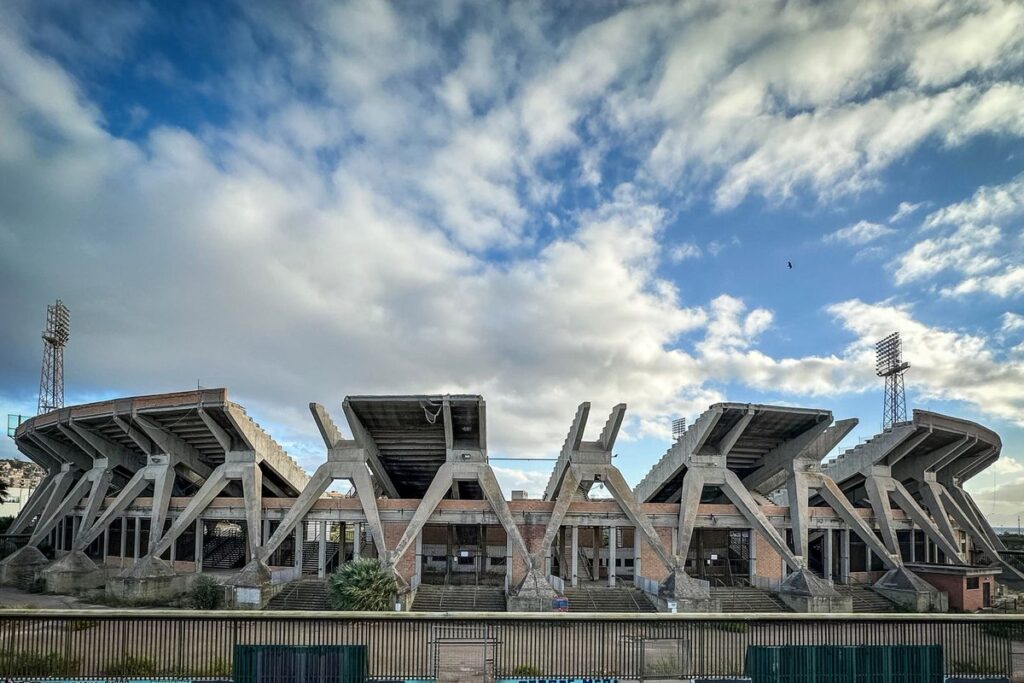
x=748, y=599
x=224, y=552
x=865, y=599
x=304, y=594
x=437, y=598
x=600, y=599
x=310, y=555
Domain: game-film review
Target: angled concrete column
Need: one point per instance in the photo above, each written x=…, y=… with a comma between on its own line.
x=36, y=502
x=347, y=459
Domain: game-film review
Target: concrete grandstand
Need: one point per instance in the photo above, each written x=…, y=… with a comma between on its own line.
x=141, y=495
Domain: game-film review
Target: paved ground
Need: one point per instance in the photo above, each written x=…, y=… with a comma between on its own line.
x=12, y=598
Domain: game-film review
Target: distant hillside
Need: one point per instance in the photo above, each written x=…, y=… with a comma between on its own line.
x=20, y=473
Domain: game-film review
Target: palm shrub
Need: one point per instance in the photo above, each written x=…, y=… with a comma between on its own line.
x=363, y=585
x=206, y=593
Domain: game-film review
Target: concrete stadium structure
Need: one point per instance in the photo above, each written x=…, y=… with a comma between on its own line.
x=142, y=495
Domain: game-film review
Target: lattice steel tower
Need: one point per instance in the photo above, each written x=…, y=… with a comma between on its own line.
x=889, y=364
x=55, y=338
x=678, y=428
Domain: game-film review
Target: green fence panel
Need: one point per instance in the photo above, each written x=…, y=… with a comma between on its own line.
x=301, y=664
x=845, y=664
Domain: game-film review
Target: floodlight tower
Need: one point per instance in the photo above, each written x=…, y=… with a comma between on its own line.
x=678, y=428
x=55, y=338
x=889, y=364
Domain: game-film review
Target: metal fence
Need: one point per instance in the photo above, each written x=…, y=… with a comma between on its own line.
x=153, y=643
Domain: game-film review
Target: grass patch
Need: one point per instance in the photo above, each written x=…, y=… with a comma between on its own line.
x=36, y=664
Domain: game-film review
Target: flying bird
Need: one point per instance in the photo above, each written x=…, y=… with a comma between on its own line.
x=790, y=264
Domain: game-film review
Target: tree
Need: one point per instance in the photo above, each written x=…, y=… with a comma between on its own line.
x=363, y=585
x=3, y=490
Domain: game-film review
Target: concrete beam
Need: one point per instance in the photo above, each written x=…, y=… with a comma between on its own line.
x=115, y=453
x=61, y=452
x=365, y=440
x=174, y=446
x=779, y=458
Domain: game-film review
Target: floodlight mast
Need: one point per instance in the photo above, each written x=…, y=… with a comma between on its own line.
x=890, y=365
x=678, y=428
x=55, y=338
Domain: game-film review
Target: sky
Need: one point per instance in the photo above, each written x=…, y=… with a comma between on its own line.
x=541, y=202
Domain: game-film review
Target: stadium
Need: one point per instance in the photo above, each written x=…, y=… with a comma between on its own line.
x=144, y=494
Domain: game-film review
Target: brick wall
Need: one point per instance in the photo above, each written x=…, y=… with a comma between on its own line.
x=768, y=562
x=955, y=586
x=406, y=564
x=651, y=565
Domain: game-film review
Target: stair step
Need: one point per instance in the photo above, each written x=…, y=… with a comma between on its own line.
x=435, y=598
x=608, y=600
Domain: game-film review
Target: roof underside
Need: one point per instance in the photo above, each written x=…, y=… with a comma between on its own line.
x=176, y=414
x=410, y=435
x=770, y=427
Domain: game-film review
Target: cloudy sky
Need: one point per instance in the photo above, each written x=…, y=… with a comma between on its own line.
x=542, y=202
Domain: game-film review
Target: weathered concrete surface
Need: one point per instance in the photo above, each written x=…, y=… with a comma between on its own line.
x=803, y=591
x=72, y=574
x=22, y=566
x=911, y=592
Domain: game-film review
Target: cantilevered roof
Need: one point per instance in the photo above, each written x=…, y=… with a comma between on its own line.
x=951, y=447
x=412, y=435
x=200, y=422
x=721, y=429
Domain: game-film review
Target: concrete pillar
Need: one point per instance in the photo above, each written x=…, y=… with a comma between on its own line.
x=61, y=533
x=174, y=551
x=298, y=547
x=508, y=558
x=357, y=540
x=266, y=530
x=449, y=550
x=321, y=559
x=124, y=537
x=596, y=544
x=637, y=552
x=419, y=555
x=76, y=522
x=913, y=544
x=867, y=558
x=844, y=556
x=106, y=544
x=827, y=555
x=138, y=538
x=199, y=546
x=927, y=549
x=342, y=532
x=575, y=541
x=612, y=543
x=752, y=547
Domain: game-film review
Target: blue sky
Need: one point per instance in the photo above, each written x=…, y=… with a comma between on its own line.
x=544, y=203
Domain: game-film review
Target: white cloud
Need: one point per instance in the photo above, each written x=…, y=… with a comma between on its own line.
x=860, y=232
x=989, y=204
x=1012, y=322
x=967, y=250
x=684, y=251
x=905, y=209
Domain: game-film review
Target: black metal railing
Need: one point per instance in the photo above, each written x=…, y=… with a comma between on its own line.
x=153, y=644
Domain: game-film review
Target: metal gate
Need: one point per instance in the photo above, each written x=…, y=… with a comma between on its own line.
x=463, y=653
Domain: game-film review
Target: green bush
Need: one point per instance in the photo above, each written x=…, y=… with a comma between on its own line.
x=206, y=593
x=363, y=585
x=36, y=664
x=526, y=670
x=974, y=666
x=130, y=667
